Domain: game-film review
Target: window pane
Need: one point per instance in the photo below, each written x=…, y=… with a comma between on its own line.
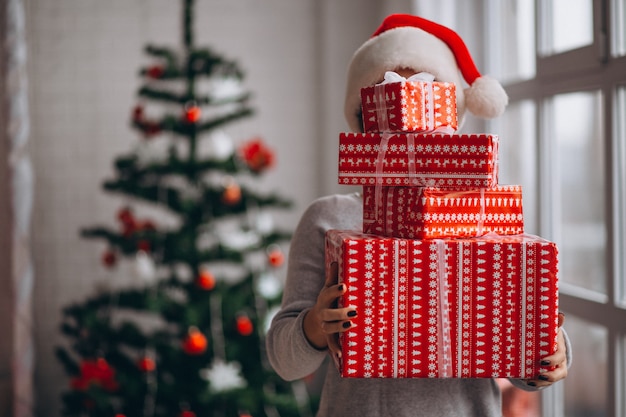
x=580, y=192
x=517, y=152
x=619, y=27
x=619, y=194
x=586, y=390
x=514, y=40
x=621, y=374
x=571, y=25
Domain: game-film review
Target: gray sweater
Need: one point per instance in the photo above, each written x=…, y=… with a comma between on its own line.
x=293, y=357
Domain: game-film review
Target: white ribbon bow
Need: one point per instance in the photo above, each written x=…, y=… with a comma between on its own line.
x=394, y=77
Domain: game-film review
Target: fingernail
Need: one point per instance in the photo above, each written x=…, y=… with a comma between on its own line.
x=346, y=325
x=545, y=363
x=340, y=287
x=352, y=313
x=542, y=377
x=532, y=384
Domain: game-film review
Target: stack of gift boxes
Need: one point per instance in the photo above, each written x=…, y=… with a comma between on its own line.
x=444, y=281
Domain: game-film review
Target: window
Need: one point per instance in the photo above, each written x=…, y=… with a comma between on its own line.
x=563, y=63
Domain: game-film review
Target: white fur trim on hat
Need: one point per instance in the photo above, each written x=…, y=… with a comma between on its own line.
x=411, y=42
x=403, y=47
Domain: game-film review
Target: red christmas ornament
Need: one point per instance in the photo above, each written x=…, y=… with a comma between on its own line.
x=256, y=155
x=231, y=194
x=147, y=225
x=155, y=71
x=244, y=325
x=125, y=215
x=275, y=257
x=187, y=413
x=205, y=280
x=120, y=415
x=245, y=415
x=192, y=113
x=150, y=129
x=195, y=343
x=144, y=245
x=146, y=364
x=137, y=113
x=97, y=372
x=109, y=258
x=127, y=219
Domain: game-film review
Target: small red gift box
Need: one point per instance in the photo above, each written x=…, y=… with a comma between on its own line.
x=410, y=106
x=411, y=159
x=481, y=307
x=430, y=212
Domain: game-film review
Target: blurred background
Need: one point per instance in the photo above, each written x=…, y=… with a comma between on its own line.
x=69, y=72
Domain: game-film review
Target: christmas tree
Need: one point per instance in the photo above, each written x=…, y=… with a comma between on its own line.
x=185, y=337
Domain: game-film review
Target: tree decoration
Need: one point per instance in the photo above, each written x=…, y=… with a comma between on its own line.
x=193, y=280
x=195, y=343
x=244, y=325
x=257, y=156
x=96, y=372
x=155, y=71
x=137, y=113
x=275, y=256
x=268, y=285
x=232, y=192
x=146, y=364
x=205, y=280
x=192, y=113
x=223, y=377
x=220, y=146
x=145, y=267
x=109, y=258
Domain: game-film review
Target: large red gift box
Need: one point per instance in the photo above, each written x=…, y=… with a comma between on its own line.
x=481, y=307
x=411, y=106
x=430, y=212
x=408, y=159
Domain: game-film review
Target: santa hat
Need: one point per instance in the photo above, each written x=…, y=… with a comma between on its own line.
x=405, y=41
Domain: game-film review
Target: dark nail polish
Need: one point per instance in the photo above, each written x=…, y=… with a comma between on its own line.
x=532, y=384
x=542, y=377
x=340, y=287
x=545, y=363
x=352, y=313
x=346, y=325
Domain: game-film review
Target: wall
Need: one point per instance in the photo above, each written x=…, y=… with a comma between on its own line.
x=84, y=58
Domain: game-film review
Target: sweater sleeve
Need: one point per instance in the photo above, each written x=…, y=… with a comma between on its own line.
x=289, y=352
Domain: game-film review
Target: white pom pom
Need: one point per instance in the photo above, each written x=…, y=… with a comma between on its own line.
x=486, y=98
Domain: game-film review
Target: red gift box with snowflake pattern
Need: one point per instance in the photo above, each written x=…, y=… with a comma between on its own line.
x=480, y=307
x=409, y=106
x=431, y=212
x=415, y=159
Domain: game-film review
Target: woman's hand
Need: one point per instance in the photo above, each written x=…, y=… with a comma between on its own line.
x=557, y=363
x=324, y=321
